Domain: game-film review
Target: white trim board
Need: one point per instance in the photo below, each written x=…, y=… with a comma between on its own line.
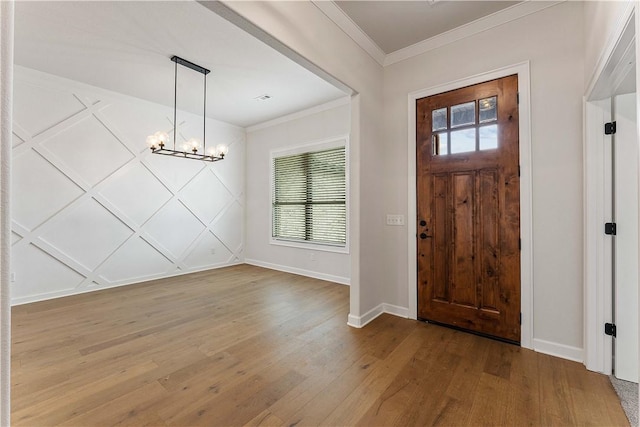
x=299, y=271
x=137, y=281
x=361, y=321
x=597, y=247
x=526, y=254
x=558, y=350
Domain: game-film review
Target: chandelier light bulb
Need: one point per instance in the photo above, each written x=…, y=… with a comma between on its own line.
x=222, y=150
x=194, y=144
x=162, y=137
x=152, y=141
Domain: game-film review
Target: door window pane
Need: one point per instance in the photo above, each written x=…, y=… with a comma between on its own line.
x=439, y=119
x=463, y=114
x=440, y=144
x=488, y=137
x=488, y=109
x=463, y=141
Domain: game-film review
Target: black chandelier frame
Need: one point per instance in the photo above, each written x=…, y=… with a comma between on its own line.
x=193, y=154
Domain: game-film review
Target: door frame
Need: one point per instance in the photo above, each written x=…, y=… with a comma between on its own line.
x=526, y=254
x=612, y=67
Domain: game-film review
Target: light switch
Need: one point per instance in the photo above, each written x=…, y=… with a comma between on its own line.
x=395, y=219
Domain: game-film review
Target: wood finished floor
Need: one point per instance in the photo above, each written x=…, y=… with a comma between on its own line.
x=249, y=346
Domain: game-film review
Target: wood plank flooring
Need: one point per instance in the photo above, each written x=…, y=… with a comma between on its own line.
x=250, y=346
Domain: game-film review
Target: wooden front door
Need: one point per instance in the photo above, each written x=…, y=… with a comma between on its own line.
x=469, y=208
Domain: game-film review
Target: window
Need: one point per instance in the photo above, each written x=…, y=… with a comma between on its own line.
x=467, y=127
x=309, y=197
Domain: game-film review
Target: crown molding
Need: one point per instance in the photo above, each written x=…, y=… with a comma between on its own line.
x=300, y=114
x=346, y=24
x=488, y=22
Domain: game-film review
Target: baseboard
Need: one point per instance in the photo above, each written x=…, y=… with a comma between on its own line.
x=70, y=292
x=354, y=321
x=361, y=321
x=302, y=272
x=559, y=350
x=396, y=310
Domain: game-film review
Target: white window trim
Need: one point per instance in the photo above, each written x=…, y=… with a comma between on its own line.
x=319, y=145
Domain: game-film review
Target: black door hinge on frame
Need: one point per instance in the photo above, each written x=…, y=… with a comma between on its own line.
x=610, y=128
x=610, y=329
x=610, y=228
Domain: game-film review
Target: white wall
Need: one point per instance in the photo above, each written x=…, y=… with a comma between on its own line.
x=552, y=41
x=92, y=208
x=304, y=28
x=333, y=122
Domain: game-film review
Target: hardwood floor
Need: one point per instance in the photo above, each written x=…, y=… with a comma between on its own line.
x=249, y=346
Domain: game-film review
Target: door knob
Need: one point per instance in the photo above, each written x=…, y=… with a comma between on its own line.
x=423, y=235
x=423, y=223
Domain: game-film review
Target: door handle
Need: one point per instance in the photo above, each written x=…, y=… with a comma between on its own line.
x=424, y=236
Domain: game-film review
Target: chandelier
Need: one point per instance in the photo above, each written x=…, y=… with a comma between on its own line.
x=191, y=148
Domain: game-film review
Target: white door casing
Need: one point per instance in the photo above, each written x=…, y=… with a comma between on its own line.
x=526, y=254
x=626, y=239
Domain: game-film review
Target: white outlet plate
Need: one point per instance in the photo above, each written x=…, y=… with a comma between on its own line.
x=395, y=219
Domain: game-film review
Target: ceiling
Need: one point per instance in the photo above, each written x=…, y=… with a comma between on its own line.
x=126, y=47
x=394, y=25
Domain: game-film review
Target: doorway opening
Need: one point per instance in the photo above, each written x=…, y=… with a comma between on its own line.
x=611, y=197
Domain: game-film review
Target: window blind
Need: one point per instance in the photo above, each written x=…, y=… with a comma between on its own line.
x=309, y=197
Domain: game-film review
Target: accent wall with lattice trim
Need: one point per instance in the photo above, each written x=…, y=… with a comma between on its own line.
x=92, y=208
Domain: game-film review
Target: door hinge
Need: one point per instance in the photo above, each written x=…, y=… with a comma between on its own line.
x=610, y=329
x=518, y=170
x=518, y=98
x=520, y=243
x=520, y=319
x=610, y=128
x=610, y=228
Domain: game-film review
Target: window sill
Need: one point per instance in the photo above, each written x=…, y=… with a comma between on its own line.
x=310, y=246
